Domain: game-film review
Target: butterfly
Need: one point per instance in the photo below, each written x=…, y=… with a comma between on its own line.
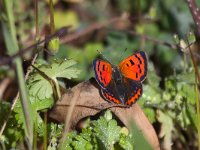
x=122, y=84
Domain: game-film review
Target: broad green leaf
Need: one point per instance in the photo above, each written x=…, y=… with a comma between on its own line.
x=41, y=87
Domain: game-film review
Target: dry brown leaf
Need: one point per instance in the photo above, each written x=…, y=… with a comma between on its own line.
x=87, y=103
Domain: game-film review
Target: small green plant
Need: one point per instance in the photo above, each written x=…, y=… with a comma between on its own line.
x=103, y=133
x=40, y=92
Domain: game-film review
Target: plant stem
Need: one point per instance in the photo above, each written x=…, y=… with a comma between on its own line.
x=195, y=14
x=36, y=20
x=35, y=133
x=52, y=24
x=198, y=112
x=30, y=67
x=45, y=130
x=9, y=33
x=197, y=77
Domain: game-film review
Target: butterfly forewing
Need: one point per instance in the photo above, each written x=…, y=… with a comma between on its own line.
x=103, y=72
x=135, y=66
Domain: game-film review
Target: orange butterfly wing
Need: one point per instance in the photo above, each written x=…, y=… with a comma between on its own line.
x=103, y=72
x=132, y=91
x=135, y=66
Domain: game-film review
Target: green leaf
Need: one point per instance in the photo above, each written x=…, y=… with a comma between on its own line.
x=41, y=87
x=84, y=56
x=125, y=142
x=4, y=109
x=166, y=129
x=55, y=134
x=101, y=134
x=84, y=140
x=70, y=138
x=19, y=114
x=151, y=95
x=37, y=106
x=107, y=131
x=12, y=133
x=150, y=113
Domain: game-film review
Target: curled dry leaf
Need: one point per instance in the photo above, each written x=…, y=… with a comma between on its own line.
x=89, y=103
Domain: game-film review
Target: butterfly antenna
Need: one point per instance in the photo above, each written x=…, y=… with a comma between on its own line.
x=104, y=56
x=122, y=54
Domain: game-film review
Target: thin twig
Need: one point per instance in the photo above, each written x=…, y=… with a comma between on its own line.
x=67, y=39
x=74, y=36
x=59, y=33
x=97, y=26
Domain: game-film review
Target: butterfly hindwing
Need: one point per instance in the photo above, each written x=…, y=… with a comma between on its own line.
x=110, y=96
x=103, y=72
x=135, y=66
x=134, y=91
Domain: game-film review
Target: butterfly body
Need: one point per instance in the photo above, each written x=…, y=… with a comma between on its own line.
x=122, y=84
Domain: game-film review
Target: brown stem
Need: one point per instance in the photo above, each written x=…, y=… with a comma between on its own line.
x=195, y=11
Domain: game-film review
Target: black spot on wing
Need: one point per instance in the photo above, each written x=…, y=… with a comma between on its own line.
x=140, y=61
x=101, y=75
x=131, y=61
x=144, y=58
x=98, y=66
x=103, y=67
x=104, y=80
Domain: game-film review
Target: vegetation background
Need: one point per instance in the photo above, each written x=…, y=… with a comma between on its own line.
x=168, y=31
